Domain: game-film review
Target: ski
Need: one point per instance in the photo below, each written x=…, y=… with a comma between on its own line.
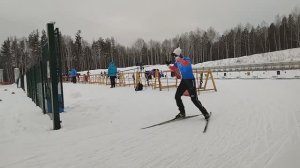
x=206, y=124
x=168, y=121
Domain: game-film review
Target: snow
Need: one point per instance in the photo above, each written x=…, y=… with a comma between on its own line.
x=255, y=123
x=289, y=55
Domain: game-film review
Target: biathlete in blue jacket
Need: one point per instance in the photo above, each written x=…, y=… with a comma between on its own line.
x=184, y=65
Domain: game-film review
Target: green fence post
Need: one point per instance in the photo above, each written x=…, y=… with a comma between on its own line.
x=60, y=67
x=53, y=76
x=43, y=80
x=22, y=82
x=34, y=89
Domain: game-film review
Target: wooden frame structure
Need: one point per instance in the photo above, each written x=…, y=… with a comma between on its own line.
x=162, y=80
x=208, y=76
x=199, y=74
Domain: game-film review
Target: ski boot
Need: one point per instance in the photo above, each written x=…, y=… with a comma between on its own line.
x=207, y=116
x=180, y=115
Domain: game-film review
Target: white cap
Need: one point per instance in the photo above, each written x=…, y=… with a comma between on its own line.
x=177, y=51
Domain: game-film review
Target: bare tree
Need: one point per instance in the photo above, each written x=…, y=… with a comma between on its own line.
x=296, y=15
x=212, y=36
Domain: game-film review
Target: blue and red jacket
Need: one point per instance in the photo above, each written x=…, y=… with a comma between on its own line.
x=185, y=67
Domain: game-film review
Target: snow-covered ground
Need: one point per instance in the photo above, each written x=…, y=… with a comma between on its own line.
x=255, y=123
x=288, y=55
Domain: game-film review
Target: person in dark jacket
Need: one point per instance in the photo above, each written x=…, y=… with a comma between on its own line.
x=184, y=65
x=112, y=73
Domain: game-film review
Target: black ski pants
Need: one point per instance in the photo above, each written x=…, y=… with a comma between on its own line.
x=190, y=85
x=112, y=81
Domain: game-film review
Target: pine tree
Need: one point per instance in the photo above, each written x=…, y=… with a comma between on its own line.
x=34, y=46
x=77, y=50
x=6, y=62
x=15, y=53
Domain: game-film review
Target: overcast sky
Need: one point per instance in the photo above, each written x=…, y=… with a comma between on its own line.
x=128, y=20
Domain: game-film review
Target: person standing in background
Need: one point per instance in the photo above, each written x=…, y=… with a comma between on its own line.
x=112, y=73
x=73, y=75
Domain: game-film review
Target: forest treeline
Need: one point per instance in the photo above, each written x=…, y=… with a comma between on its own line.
x=200, y=45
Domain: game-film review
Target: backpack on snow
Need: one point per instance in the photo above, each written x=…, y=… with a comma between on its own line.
x=139, y=87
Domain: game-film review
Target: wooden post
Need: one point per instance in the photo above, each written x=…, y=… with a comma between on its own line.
x=208, y=75
x=121, y=79
x=157, y=79
x=137, y=78
x=213, y=81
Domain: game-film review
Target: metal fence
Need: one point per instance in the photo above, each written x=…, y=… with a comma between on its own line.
x=44, y=80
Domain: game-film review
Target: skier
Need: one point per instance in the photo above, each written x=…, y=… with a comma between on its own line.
x=183, y=63
x=112, y=73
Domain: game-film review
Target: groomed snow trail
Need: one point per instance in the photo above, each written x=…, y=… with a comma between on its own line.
x=255, y=123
